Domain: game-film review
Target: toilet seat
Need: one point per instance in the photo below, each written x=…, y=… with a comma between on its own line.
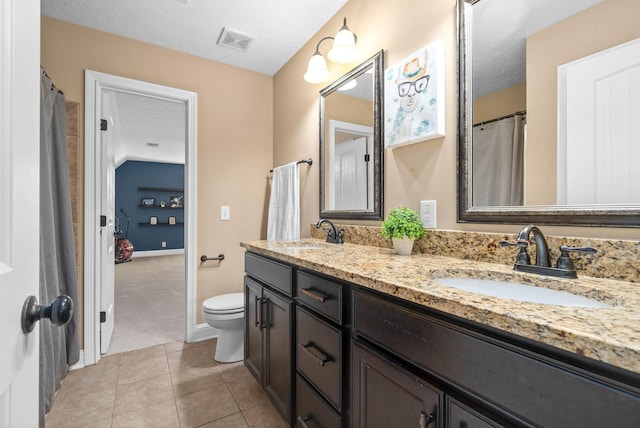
x=225, y=304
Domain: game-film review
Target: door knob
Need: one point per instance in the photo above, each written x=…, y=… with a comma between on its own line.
x=59, y=312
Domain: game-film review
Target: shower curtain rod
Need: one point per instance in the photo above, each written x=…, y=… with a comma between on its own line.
x=307, y=161
x=518, y=113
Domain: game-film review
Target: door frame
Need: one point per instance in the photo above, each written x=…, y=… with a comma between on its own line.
x=95, y=84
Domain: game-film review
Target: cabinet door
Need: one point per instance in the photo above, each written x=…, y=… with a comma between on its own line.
x=278, y=377
x=385, y=395
x=461, y=416
x=254, y=324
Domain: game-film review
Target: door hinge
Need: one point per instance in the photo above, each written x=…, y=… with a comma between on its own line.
x=103, y=124
x=103, y=316
x=367, y=157
x=103, y=220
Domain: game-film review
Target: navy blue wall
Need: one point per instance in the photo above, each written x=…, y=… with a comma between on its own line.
x=134, y=174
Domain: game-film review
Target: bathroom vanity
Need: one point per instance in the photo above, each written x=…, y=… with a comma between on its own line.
x=378, y=343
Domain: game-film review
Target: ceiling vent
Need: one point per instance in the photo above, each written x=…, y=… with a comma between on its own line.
x=235, y=40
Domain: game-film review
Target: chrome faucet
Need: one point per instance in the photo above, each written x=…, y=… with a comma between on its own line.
x=564, y=267
x=334, y=235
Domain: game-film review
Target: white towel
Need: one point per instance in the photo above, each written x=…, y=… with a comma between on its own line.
x=284, y=204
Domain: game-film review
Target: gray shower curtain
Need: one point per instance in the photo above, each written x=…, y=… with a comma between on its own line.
x=498, y=162
x=58, y=345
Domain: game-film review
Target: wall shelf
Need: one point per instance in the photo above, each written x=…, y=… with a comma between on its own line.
x=158, y=207
x=160, y=189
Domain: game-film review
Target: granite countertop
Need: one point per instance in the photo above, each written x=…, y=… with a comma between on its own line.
x=610, y=335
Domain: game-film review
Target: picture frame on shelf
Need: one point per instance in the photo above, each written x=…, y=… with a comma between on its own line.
x=153, y=220
x=172, y=220
x=175, y=201
x=147, y=201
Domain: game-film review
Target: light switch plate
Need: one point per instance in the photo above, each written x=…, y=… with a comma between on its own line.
x=225, y=212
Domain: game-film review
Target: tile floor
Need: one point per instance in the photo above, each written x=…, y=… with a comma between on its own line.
x=175, y=385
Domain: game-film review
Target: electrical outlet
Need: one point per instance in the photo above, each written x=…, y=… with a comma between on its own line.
x=428, y=214
x=164, y=244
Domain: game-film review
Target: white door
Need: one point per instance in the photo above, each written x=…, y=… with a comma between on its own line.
x=19, y=207
x=107, y=241
x=350, y=174
x=599, y=142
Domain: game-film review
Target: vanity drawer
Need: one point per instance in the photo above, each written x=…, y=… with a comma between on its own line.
x=312, y=410
x=533, y=386
x=322, y=295
x=319, y=355
x=270, y=272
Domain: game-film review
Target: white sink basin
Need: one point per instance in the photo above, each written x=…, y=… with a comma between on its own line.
x=521, y=292
x=303, y=247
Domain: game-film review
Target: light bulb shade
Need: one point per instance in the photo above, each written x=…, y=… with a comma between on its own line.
x=317, y=71
x=344, y=47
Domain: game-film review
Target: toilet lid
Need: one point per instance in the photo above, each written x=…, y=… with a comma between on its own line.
x=225, y=303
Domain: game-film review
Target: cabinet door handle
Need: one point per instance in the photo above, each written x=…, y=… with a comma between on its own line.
x=303, y=421
x=315, y=296
x=319, y=359
x=425, y=419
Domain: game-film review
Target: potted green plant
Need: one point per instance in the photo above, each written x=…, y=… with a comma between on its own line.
x=403, y=227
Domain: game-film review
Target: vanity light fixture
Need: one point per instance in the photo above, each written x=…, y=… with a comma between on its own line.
x=343, y=52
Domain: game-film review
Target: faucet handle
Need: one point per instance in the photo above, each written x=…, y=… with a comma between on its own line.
x=523, y=255
x=565, y=262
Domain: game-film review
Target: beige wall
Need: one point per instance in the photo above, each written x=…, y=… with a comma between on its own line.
x=235, y=134
x=419, y=171
x=607, y=24
x=500, y=103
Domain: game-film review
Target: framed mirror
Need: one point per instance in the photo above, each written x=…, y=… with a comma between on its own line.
x=351, y=147
x=545, y=114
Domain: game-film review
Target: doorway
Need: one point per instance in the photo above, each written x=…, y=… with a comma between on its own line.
x=100, y=162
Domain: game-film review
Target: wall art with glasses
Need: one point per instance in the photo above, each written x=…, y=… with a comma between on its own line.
x=414, y=97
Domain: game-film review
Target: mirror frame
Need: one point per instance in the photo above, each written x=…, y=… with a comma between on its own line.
x=588, y=215
x=376, y=62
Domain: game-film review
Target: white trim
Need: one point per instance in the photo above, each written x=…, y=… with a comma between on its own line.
x=204, y=332
x=154, y=253
x=95, y=83
x=80, y=364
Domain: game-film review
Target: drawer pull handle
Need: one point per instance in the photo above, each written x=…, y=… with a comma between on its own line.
x=303, y=421
x=315, y=296
x=425, y=419
x=320, y=360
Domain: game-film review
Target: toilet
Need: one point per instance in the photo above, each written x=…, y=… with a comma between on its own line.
x=226, y=313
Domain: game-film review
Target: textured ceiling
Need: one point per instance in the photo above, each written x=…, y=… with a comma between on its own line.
x=280, y=27
x=500, y=28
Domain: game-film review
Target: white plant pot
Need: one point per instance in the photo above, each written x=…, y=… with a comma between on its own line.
x=403, y=246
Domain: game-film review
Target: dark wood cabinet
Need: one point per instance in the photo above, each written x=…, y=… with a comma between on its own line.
x=385, y=395
x=268, y=331
x=322, y=345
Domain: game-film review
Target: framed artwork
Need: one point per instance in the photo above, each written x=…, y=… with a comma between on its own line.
x=414, y=97
x=172, y=220
x=147, y=202
x=175, y=201
x=153, y=220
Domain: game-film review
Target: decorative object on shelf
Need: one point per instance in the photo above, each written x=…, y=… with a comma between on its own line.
x=414, y=97
x=172, y=220
x=147, y=202
x=153, y=220
x=175, y=201
x=163, y=204
x=343, y=52
x=403, y=227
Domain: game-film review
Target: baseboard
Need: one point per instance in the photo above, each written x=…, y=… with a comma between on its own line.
x=153, y=253
x=80, y=363
x=204, y=332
